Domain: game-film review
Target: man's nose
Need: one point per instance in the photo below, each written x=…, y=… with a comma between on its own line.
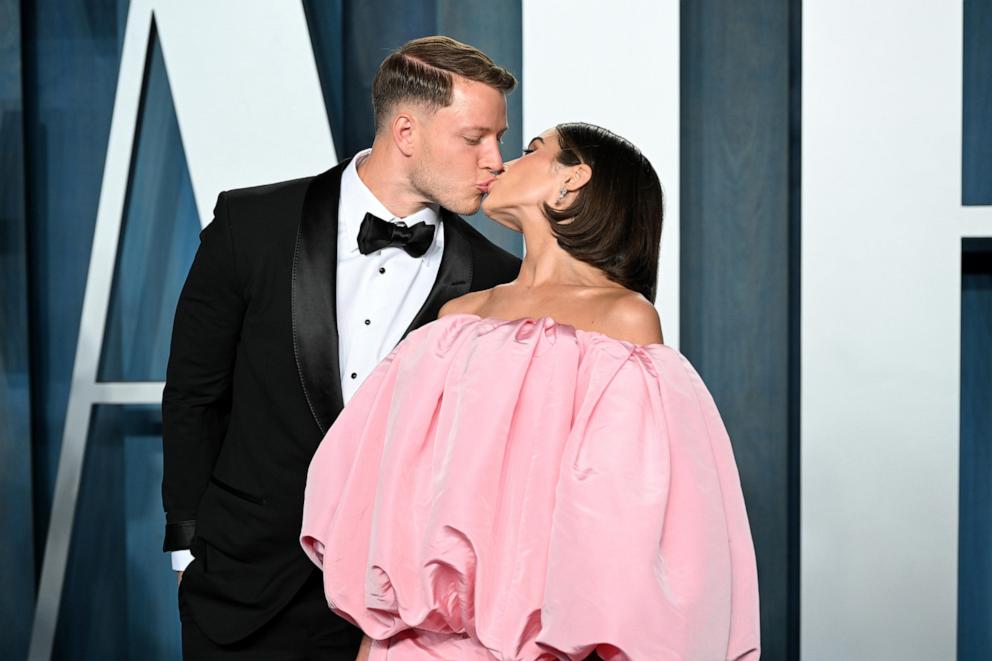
x=492, y=160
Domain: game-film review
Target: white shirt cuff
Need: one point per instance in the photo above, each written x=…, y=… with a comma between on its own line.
x=181, y=560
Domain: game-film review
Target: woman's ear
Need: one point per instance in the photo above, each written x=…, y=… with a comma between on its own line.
x=579, y=177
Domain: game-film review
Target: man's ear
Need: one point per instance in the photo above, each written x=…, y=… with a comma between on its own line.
x=579, y=177
x=403, y=128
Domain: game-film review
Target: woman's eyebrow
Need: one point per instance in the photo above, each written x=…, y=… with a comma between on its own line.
x=533, y=140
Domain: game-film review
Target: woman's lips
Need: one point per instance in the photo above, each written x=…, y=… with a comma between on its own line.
x=484, y=186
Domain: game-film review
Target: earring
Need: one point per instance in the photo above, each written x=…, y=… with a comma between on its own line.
x=562, y=192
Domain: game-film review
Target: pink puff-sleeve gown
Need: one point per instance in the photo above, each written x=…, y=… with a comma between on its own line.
x=525, y=490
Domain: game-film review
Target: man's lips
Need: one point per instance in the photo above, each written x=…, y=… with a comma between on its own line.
x=484, y=186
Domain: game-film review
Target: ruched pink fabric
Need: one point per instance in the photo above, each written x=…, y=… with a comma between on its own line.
x=525, y=490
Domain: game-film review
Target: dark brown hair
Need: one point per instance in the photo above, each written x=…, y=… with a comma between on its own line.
x=615, y=221
x=421, y=70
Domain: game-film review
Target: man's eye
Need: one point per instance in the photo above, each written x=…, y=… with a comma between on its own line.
x=473, y=141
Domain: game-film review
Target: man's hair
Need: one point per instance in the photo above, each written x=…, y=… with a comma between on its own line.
x=421, y=71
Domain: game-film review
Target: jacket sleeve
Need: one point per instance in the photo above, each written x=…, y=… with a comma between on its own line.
x=196, y=403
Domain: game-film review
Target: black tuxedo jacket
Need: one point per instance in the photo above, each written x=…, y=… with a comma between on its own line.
x=253, y=383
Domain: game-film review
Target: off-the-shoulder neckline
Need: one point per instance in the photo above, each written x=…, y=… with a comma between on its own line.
x=555, y=322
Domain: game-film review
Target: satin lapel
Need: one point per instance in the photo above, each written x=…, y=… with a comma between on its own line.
x=314, y=302
x=454, y=277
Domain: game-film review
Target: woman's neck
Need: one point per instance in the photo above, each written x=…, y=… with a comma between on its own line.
x=546, y=263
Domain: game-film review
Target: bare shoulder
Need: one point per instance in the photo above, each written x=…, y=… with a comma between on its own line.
x=468, y=303
x=635, y=319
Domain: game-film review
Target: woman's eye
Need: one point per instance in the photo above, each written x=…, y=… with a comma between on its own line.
x=528, y=151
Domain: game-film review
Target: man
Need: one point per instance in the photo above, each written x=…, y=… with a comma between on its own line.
x=297, y=291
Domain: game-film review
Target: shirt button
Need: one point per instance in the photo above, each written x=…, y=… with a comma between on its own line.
x=368, y=321
x=382, y=269
x=354, y=375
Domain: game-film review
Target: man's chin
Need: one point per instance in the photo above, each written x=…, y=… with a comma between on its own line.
x=465, y=207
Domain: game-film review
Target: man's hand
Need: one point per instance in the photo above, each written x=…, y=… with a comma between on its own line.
x=364, y=649
x=179, y=578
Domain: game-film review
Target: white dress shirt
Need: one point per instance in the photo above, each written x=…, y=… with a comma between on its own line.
x=378, y=295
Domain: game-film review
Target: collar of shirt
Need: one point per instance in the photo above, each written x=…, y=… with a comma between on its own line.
x=357, y=200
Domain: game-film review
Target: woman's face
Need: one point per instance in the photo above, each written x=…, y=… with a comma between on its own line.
x=527, y=182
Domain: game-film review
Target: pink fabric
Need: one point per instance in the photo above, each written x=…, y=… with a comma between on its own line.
x=525, y=490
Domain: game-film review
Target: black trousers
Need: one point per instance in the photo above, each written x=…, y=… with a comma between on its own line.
x=306, y=629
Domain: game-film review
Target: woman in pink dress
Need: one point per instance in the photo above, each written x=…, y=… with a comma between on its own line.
x=535, y=476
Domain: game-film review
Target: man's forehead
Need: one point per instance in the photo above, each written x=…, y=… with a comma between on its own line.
x=475, y=107
x=470, y=92
x=479, y=117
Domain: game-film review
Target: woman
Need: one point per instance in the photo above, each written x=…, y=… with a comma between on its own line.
x=534, y=475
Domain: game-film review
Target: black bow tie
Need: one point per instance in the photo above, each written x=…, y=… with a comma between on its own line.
x=376, y=234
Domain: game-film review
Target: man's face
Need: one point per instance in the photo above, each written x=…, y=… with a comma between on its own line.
x=457, y=152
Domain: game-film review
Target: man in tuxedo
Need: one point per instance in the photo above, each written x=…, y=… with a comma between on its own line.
x=297, y=291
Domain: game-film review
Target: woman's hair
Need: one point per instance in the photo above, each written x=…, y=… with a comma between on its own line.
x=615, y=221
x=421, y=71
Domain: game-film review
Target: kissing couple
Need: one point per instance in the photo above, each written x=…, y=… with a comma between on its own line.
x=387, y=439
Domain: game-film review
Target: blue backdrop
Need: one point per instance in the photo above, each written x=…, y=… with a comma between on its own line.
x=16, y=526
x=58, y=75
x=58, y=71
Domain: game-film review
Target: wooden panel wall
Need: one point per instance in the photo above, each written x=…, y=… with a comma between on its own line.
x=740, y=264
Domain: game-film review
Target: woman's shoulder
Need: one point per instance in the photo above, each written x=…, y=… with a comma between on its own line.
x=620, y=313
x=630, y=317
x=469, y=303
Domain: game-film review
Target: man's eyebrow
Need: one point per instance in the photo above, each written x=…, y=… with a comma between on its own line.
x=485, y=129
